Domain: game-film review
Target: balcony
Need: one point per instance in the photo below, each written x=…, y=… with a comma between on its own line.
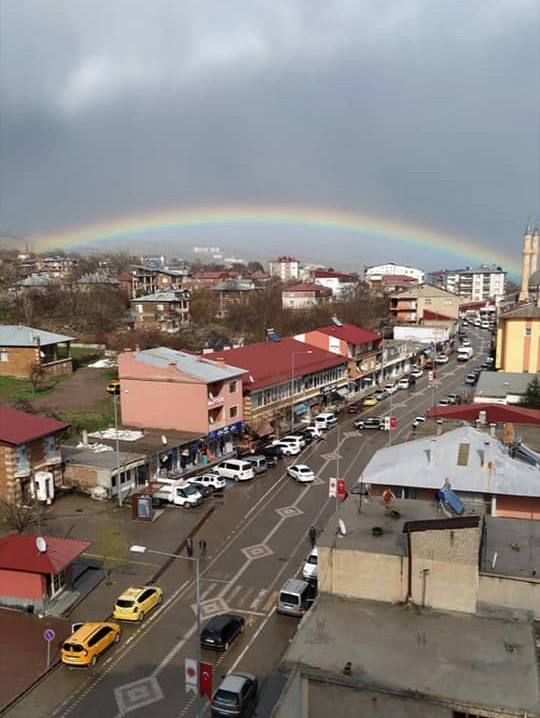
x=215, y=401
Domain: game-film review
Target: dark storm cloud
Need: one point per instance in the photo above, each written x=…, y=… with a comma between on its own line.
x=415, y=111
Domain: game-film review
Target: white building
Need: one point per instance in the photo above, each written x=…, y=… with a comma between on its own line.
x=473, y=283
x=286, y=268
x=393, y=270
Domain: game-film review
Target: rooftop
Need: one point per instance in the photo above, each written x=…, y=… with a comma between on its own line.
x=19, y=427
x=206, y=369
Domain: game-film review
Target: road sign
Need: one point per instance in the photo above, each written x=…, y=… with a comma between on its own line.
x=393, y=423
x=191, y=674
x=332, y=487
x=49, y=634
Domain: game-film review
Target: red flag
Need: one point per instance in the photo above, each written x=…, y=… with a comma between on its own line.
x=205, y=680
x=341, y=489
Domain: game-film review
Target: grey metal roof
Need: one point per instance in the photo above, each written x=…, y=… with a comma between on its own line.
x=195, y=366
x=17, y=335
x=98, y=278
x=171, y=295
x=501, y=384
x=429, y=462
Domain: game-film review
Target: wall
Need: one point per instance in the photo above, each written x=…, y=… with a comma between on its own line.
x=18, y=588
x=518, y=507
x=515, y=351
x=514, y=593
x=20, y=361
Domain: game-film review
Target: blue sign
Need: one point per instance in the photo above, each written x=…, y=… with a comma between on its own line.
x=49, y=634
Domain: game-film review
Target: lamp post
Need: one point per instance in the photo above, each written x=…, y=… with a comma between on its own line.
x=136, y=548
x=117, y=445
x=293, y=354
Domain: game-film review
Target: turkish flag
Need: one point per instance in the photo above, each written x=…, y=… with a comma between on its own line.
x=205, y=679
x=341, y=489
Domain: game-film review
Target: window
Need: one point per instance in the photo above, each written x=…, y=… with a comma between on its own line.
x=4, y=355
x=232, y=387
x=139, y=308
x=233, y=412
x=527, y=331
x=21, y=458
x=49, y=447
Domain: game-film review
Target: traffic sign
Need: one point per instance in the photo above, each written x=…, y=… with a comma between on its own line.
x=49, y=634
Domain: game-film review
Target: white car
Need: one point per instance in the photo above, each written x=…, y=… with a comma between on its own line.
x=301, y=473
x=441, y=359
x=310, y=569
x=403, y=384
x=286, y=448
x=417, y=373
x=391, y=387
x=212, y=480
x=315, y=432
x=418, y=421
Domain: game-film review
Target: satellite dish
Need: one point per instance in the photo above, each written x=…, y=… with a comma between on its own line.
x=342, y=527
x=41, y=544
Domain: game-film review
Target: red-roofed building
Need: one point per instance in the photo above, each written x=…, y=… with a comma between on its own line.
x=361, y=348
x=34, y=570
x=286, y=268
x=340, y=284
x=489, y=413
x=210, y=278
x=30, y=459
x=303, y=296
x=285, y=379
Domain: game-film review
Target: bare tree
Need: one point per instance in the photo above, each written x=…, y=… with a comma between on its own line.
x=36, y=374
x=19, y=517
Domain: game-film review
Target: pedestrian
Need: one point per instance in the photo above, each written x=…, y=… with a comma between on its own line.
x=312, y=534
x=202, y=547
x=189, y=546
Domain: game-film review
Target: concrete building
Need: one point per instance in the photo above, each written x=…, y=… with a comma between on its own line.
x=342, y=285
x=391, y=269
x=418, y=615
x=24, y=348
x=304, y=296
x=518, y=340
x=530, y=259
x=165, y=311
x=472, y=283
x=285, y=268
x=423, y=303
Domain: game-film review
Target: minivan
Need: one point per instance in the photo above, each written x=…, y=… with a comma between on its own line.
x=235, y=469
x=325, y=420
x=88, y=641
x=258, y=462
x=295, y=597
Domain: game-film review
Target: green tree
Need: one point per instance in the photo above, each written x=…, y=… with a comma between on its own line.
x=531, y=400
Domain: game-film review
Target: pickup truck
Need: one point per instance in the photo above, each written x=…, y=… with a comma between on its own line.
x=178, y=493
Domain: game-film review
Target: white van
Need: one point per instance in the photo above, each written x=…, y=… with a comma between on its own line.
x=295, y=597
x=235, y=469
x=325, y=420
x=310, y=571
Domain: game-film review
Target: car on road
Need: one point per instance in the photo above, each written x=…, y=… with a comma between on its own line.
x=113, y=387
x=325, y=420
x=272, y=453
x=211, y=479
x=418, y=421
x=88, y=642
x=441, y=359
x=370, y=422
x=315, y=431
x=370, y=401
x=309, y=570
x=466, y=342
x=301, y=473
x=236, y=695
x=391, y=387
x=470, y=378
x=443, y=402
x=417, y=373
x=136, y=602
x=287, y=449
x=357, y=408
x=404, y=383
x=205, y=491
x=221, y=631
x=381, y=394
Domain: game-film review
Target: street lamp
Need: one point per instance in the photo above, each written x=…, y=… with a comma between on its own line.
x=293, y=354
x=117, y=444
x=136, y=548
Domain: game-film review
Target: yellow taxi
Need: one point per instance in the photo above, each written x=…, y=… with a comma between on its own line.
x=136, y=601
x=113, y=387
x=370, y=401
x=88, y=642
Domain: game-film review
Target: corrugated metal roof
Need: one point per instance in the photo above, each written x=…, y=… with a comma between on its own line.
x=19, y=427
x=18, y=552
x=16, y=335
x=349, y=333
x=495, y=413
x=203, y=368
x=430, y=462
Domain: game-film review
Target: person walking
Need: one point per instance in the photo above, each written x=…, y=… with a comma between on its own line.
x=202, y=547
x=312, y=534
x=189, y=547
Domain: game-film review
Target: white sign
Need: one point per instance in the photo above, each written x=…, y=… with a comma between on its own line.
x=192, y=676
x=332, y=488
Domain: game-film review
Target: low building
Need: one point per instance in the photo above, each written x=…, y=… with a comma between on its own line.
x=24, y=349
x=30, y=457
x=502, y=387
x=285, y=268
x=304, y=296
x=418, y=615
x=518, y=339
x=411, y=305
x=34, y=570
x=472, y=283
x=164, y=311
x=342, y=285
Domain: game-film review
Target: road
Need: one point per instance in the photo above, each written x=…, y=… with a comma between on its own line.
x=262, y=533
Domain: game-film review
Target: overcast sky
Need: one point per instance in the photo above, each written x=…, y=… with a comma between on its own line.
x=421, y=112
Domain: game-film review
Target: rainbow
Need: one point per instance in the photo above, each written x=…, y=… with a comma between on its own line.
x=149, y=224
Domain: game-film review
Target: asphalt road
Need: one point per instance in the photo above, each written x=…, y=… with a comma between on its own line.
x=261, y=532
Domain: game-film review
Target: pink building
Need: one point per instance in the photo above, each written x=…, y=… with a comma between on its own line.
x=166, y=389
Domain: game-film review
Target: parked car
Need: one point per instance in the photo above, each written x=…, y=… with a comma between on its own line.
x=205, y=491
x=370, y=422
x=88, y=642
x=325, y=420
x=453, y=398
x=391, y=387
x=370, y=401
x=428, y=364
x=235, y=469
x=470, y=379
x=309, y=570
x=418, y=421
x=417, y=373
x=287, y=449
x=258, y=461
x=306, y=437
x=135, y=602
x=213, y=480
x=403, y=383
x=113, y=387
x=235, y=696
x=273, y=454
x=441, y=359
x=301, y=473
x=443, y=402
x=381, y=394
x=412, y=380
x=315, y=431
x=357, y=408
x=466, y=342
x=221, y=631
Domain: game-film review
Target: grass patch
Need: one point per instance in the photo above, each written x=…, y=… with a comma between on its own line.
x=85, y=421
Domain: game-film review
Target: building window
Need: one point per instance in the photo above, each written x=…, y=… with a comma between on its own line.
x=528, y=332
x=21, y=458
x=232, y=387
x=4, y=355
x=139, y=308
x=233, y=412
x=49, y=447
x=160, y=307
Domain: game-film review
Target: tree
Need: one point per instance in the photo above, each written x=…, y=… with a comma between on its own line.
x=36, y=374
x=531, y=400
x=18, y=517
x=113, y=547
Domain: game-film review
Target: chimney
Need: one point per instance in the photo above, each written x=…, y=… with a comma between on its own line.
x=171, y=368
x=485, y=455
x=432, y=451
x=220, y=362
x=493, y=430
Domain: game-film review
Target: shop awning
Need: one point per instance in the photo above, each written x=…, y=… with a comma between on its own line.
x=261, y=427
x=300, y=409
